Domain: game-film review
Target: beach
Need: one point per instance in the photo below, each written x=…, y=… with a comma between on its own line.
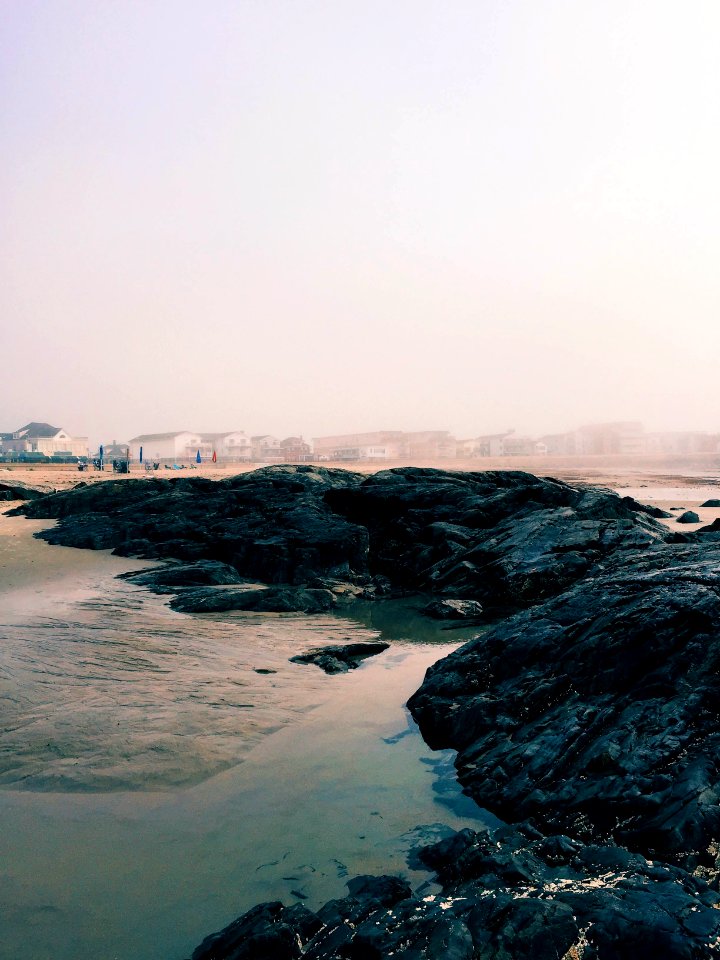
x=164, y=772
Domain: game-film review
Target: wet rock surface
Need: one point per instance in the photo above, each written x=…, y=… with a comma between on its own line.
x=597, y=713
x=339, y=658
x=502, y=539
x=509, y=892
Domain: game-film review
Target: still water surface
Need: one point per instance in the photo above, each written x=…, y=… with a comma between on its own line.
x=155, y=785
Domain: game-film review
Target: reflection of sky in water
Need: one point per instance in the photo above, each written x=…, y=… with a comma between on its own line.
x=122, y=693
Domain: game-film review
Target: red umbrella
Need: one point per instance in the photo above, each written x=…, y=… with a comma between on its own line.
x=214, y=457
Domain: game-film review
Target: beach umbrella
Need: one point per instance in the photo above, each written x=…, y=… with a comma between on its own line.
x=102, y=451
x=140, y=454
x=214, y=457
x=198, y=458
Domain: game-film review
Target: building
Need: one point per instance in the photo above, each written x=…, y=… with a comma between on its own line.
x=46, y=440
x=266, y=449
x=181, y=445
x=622, y=437
x=295, y=450
x=231, y=446
x=386, y=445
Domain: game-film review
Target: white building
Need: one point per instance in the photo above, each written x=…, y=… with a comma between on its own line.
x=45, y=439
x=182, y=445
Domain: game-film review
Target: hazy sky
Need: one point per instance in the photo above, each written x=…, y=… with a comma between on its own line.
x=315, y=217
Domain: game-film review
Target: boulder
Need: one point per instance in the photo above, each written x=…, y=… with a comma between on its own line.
x=689, y=516
x=711, y=503
x=595, y=713
x=339, y=658
x=453, y=610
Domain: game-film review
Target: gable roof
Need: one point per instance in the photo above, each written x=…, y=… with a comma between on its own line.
x=36, y=430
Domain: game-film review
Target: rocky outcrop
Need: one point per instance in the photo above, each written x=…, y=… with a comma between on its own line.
x=596, y=713
x=505, y=893
x=711, y=503
x=339, y=658
x=503, y=539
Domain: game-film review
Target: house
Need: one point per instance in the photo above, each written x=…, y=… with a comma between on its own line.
x=43, y=438
x=232, y=445
x=181, y=445
x=266, y=449
x=487, y=445
x=295, y=450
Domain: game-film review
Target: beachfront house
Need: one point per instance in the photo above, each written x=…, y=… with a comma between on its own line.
x=231, y=446
x=46, y=440
x=173, y=447
x=266, y=449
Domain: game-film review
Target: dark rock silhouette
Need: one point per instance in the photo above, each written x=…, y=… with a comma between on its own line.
x=689, y=516
x=711, y=503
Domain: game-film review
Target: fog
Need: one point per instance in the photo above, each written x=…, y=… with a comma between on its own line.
x=324, y=216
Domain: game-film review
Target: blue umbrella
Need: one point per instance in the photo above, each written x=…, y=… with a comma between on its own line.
x=198, y=458
x=140, y=454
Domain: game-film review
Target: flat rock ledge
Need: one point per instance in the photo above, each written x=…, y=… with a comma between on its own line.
x=507, y=893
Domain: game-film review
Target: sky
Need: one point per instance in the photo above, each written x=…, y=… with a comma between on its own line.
x=324, y=216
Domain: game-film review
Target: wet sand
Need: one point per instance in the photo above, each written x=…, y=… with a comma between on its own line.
x=112, y=847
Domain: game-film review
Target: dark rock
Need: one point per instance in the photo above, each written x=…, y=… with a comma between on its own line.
x=688, y=517
x=453, y=610
x=340, y=658
x=711, y=503
x=264, y=600
x=596, y=713
x=10, y=491
x=503, y=539
x=504, y=894
x=174, y=577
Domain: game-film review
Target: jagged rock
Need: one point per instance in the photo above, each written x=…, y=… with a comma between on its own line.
x=505, y=893
x=711, y=503
x=689, y=516
x=596, y=713
x=266, y=600
x=453, y=610
x=339, y=658
x=503, y=539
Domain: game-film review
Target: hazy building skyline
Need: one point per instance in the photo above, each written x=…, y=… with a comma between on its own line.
x=319, y=218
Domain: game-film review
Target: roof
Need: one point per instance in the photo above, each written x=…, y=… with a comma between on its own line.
x=158, y=436
x=37, y=430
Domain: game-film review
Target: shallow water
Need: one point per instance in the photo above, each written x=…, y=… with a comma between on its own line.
x=156, y=785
